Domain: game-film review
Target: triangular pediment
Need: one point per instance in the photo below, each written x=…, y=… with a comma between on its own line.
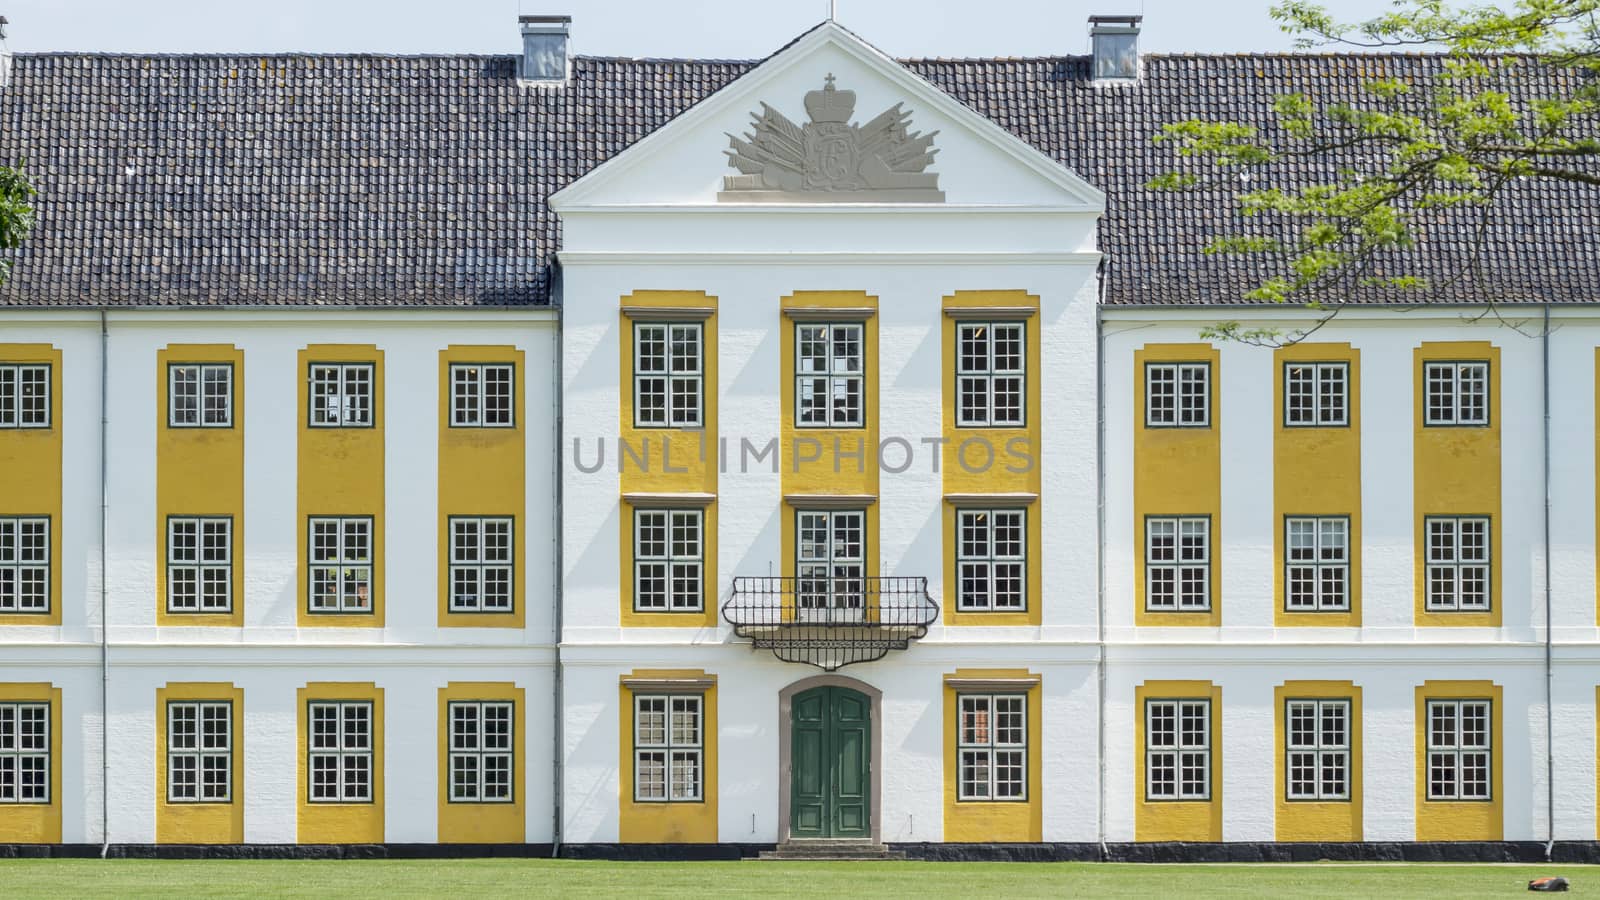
x=829, y=120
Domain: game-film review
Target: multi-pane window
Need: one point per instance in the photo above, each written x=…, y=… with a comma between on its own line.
x=24, y=753
x=1177, y=750
x=199, y=564
x=829, y=362
x=992, y=746
x=667, y=559
x=1177, y=395
x=339, y=752
x=668, y=747
x=1316, y=394
x=341, y=395
x=1317, y=744
x=667, y=375
x=1177, y=563
x=1458, y=562
x=990, y=373
x=24, y=564
x=831, y=562
x=481, y=396
x=1457, y=393
x=1317, y=576
x=200, y=395
x=200, y=751
x=480, y=564
x=1459, y=760
x=340, y=567
x=991, y=559
x=482, y=755
x=24, y=396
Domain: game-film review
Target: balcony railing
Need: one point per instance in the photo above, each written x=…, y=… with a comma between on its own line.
x=830, y=622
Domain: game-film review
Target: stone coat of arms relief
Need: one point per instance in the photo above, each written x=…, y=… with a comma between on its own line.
x=831, y=158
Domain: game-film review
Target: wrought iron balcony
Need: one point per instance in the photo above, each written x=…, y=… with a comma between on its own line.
x=830, y=622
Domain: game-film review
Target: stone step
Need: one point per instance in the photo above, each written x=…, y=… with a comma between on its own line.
x=828, y=849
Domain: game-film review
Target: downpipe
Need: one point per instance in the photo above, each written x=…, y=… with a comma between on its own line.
x=558, y=685
x=1549, y=624
x=1100, y=549
x=105, y=654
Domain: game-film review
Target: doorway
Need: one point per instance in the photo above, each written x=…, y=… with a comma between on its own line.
x=831, y=749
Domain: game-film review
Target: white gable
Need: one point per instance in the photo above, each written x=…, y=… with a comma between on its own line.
x=683, y=163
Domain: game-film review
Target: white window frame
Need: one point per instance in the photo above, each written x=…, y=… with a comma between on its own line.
x=1318, y=746
x=205, y=414
x=349, y=748
x=835, y=376
x=340, y=395
x=678, y=378
x=991, y=734
x=1324, y=566
x=979, y=574
x=1181, y=568
x=1458, y=568
x=675, y=750
x=830, y=585
x=679, y=567
x=348, y=571
x=470, y=405
x=18, y=408
x=474, y=560
x=203, y=569
x=1180, y=749
x=981, y=383
x=1165, y=409
x=17, y=566
x=1455, y=381
x=472, y=745
x=1448, y=750
x=207, y=750
x=20, y=750
x=1328, y=402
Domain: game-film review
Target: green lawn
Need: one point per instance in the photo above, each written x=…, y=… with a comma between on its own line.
x=478, y=879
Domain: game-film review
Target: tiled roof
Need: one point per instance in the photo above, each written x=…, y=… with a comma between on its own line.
x=377, y=181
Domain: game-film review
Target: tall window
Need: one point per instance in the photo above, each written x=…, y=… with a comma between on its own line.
x=1177, y=395
x=481, y=395
x=341, y=395
x=667, y=375
x=992, y=746
x=482, y=755
x=1317, y=744
x=991, y=557
x=828, y=375
x=199, y=564
x=480, y=564
x=24, y=396
x=1316, y=394
x=1177, y=563
x=1459, y=760
x=24, y=564
x=668, y=747
x=667, y=560
x=831, y=558
x=339, y=752
x=1457, y=393
x=341, y=564
x=24, y=753
x=1458, y=563
x=1177, y=750
x=1317, y=578
x=200, y=752
x=200, y=395
x=990, y=373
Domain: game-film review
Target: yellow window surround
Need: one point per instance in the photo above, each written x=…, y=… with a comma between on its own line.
x=205, y=822
x=1461, y=820
x=31, y=474
x=478, y=822
x=36, y=823
x=657, y=822
x=1033, y=562
x=1317, y=819
x=980, y=821
x=833, y=459
x=1177, y=820
x=636, y=504
x=353, y=822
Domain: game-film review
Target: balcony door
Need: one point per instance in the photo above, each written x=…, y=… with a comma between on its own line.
x=831, y=562
x=830, y=764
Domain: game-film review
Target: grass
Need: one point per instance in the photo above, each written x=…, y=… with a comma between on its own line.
x=478, y=879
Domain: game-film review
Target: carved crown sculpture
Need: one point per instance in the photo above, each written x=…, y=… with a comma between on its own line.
x=830, y=158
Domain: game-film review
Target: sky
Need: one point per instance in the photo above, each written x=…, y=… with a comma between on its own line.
x=728, y=29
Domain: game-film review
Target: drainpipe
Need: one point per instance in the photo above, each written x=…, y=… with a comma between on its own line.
x=558, y=684
x=105, y=658
x=1100, y=544
x=1549, y=625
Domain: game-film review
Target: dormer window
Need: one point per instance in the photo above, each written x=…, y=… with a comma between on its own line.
x=1115, y=40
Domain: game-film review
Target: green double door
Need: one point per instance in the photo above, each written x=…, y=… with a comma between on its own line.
x=830, y=764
